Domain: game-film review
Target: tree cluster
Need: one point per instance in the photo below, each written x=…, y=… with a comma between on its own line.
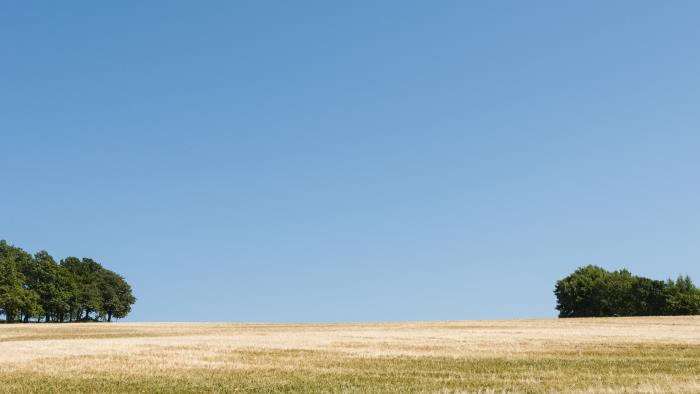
x=36, y=288
x=593, y=291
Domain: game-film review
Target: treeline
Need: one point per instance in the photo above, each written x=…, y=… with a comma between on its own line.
x=593, y=291
x=36, y=288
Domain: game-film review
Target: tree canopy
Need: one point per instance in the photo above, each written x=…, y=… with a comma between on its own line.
x=37, y=288
x=594, y=291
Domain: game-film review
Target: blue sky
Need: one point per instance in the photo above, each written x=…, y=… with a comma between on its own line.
x=358, y=161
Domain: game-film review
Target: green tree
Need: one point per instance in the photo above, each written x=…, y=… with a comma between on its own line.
x=30, y=305
x=69, y=292
x=43, y=275
x=650, y=295
x=16, y=300
x=117, y=296
x=36, y=287
x=582, y=293
x=12, y=297
x=593, y=291
x=87, y=299
x=682, y=297
x=617, y=297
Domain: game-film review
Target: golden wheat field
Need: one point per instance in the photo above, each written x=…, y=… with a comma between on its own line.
x=611, y=355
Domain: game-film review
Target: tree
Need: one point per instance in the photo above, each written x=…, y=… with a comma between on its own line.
x=69, y=292
x=36, y=287
x=651, y=296
x=44, y=276
x=593, y=291
x=616, y=294
x=85, y=272
x=30, y=305
x=12, y=297
x=117, y=297
x=16, y=301
x=581, y=293
x=682, y=297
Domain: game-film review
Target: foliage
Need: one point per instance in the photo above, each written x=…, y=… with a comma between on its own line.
x=36, y=287
x=593, y=291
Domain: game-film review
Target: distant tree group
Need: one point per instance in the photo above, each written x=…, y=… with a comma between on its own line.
x=36, y=288
x=593, y=291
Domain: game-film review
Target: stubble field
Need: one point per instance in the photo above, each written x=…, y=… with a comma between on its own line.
x=612, y=355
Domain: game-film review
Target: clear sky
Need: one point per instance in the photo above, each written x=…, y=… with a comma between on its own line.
x=352, y=161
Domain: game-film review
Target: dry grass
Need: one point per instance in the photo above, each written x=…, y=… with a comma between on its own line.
x=615, y=355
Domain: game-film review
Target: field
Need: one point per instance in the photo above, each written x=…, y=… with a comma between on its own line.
x=612, y=355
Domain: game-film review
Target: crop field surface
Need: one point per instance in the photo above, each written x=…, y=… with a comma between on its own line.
x=609, y=355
